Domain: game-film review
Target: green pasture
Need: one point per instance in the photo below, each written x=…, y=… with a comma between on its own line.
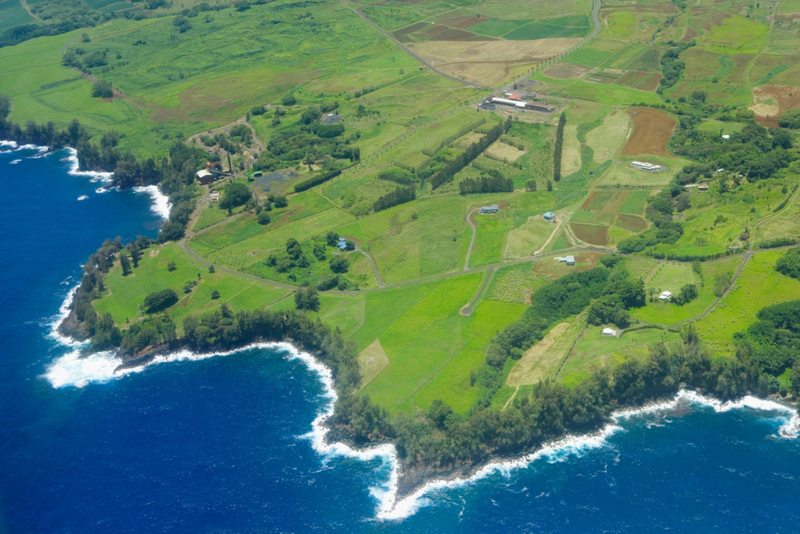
x=594, y=350
x=126, y=293
x=596, y=53
x=562, y=27
x=620, y=24
x=737, y=33
x=497, y=27
x=671, y=277
x=723, y=128
x=600, y=92
x=431, y=348
x=208, y=216
x=759, y=286
x=635, y=203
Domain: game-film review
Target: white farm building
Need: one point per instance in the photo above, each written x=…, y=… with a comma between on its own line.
x=645, y=166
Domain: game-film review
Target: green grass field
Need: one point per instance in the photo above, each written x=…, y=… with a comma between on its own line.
x=431, y=348
x=759, y=286
x=126, y=293
x=593, y=350
x=671, y=277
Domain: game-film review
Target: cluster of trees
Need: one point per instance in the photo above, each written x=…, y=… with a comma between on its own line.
x=401, y=195
x=397, y=175
x=309, y=141
x=687, y=294
x=789, y=263
x=619, y=295
x=486, y=184
x=755, y=151
x=773, y=342
x=149, y=332
x=664, y=232
x=790, y=119
x=234, y=195
x=306, y=298
x=102, y=89
x=671, y=66
x=160, y=300
x=452, y=167
x=559, y=145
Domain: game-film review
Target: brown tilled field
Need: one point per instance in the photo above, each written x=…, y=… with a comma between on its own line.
x=590, y=233
x=461, y=23
x=772, y=100
x=632, y=78
x=488, y=62
x=633, y=223
x=589, y=200
x=651, y=83
x=651, y=131
x=565, y=71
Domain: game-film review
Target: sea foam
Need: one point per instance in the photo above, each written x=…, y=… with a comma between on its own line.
x=75, y=169
x=160, y=204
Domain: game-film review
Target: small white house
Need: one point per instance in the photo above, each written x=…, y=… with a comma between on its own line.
x=609, y=332
x=665, y=296
x=570, y=260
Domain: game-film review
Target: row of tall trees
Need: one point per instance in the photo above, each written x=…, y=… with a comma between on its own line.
x=400, y=195
x=486, y=184
x=453, y=166
x=559, y=145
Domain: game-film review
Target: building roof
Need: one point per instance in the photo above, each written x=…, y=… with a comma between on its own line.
x=570, y=259
x=549, y=215
x=609, y=331
x=665, y=295
x=204, y=173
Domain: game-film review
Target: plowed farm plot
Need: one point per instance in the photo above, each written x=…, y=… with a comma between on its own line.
x=590, y=233
x=651, y=131
x=633, y=223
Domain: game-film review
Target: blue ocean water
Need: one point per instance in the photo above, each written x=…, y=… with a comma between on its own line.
x=220, y=445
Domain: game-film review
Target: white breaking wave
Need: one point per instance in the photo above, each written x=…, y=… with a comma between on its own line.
x=11, y=144
x=14, y=162
x=63, y=312
x=72, y=370
x=83, y=197
x=161, y=203
x=75, y=166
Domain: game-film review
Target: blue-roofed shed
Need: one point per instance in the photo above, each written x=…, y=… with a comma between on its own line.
x=549, y=216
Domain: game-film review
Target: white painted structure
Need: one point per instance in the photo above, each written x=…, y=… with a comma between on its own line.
x=609, y=332
x=665, y=296
x=645, y=166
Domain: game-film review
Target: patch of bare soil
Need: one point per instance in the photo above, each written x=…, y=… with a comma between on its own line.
x=651, y=131
x=770, y=101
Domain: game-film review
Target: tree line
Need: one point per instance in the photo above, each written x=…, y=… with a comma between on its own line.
x=486, y=184
x=559, y=145
x=400, y=195
x=452, y=167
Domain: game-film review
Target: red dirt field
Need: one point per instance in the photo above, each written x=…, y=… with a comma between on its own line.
x=634, y=223
x=589, y=200
x=590, y=233
x=651, y=131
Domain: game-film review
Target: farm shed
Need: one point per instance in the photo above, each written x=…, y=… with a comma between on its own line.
x=609, y=332
x=204, y=177
x=665, y=296
x=494, y=208
x=702, y=187
x=549, y=216
x=570, y=260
